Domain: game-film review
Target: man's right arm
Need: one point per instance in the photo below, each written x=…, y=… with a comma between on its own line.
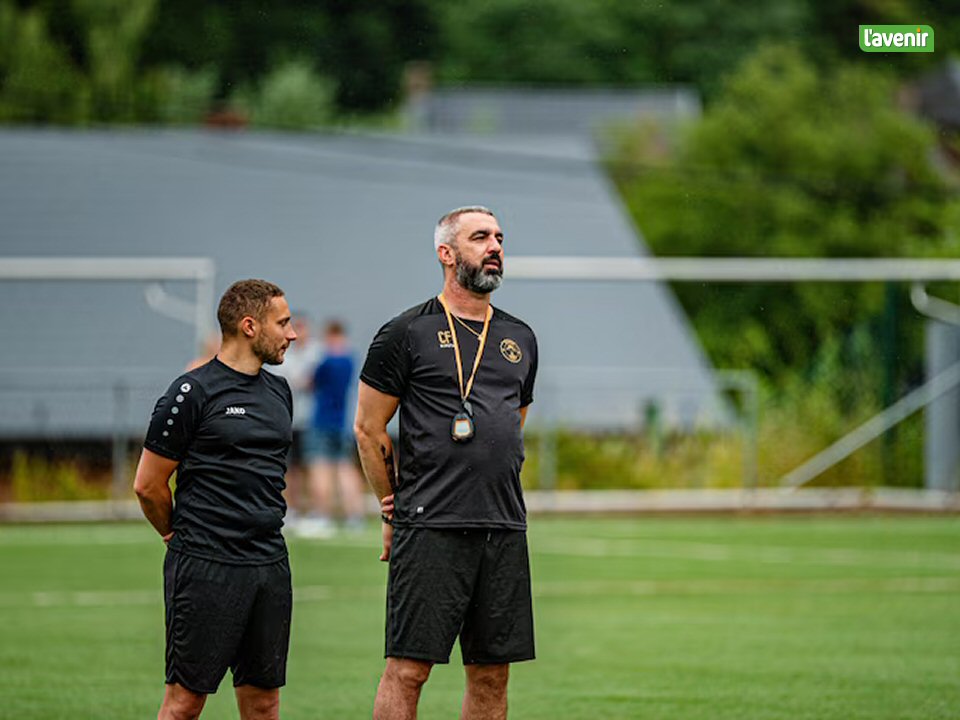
x=374, y=410
x=173, y=425
x=152, y=486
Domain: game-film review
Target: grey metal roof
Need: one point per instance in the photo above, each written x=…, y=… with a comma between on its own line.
x=343, y=224
x=541, y=111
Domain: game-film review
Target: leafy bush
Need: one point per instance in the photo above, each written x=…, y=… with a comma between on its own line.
x=585, y=461
x=38, y=81
x=184, y=97
x=113, y=33
x=292, y=96
x=798, y=418
x=37, y=479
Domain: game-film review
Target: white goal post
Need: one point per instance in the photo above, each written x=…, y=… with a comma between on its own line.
x=153, y=270
x=748, y=269
x=775, y=270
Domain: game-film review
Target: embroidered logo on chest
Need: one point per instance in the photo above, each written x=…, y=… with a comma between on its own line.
x=232, y=410
x=511, y=351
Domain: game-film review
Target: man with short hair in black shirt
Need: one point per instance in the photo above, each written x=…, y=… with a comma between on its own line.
x=225, y=428
x=461, y=373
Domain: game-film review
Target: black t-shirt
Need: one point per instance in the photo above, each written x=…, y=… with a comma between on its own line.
x=443, y=483
x=230, y=431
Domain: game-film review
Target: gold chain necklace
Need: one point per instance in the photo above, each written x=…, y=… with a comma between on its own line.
x=475, y=333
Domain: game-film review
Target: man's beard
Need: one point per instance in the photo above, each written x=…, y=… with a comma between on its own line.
x=265, y=354
x=476, y=278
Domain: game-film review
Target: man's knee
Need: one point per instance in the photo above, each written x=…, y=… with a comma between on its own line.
x=181, y=704
x=488, y=679
x=258, y=704
x=411, y=674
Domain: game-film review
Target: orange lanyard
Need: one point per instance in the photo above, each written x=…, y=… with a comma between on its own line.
x=464, y=394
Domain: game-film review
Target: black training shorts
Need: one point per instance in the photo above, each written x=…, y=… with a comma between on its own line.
x=471, y=583
x=221, y=616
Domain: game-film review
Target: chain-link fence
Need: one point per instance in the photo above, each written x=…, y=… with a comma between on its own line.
x=592, y=428
x=69, y=434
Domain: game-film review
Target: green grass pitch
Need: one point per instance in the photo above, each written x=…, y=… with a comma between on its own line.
x=733, y=617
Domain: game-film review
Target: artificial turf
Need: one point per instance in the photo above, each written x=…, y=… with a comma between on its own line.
x=726, y=617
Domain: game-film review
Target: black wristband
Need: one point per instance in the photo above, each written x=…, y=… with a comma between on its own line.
x=387, y=520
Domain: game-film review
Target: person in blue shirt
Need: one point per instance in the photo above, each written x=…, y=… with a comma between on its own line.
x=332, y=468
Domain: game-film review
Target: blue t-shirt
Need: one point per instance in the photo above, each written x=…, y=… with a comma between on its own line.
x=331, y=384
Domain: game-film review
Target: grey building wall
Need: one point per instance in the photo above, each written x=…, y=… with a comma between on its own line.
x=344, y=224
x=540, y=111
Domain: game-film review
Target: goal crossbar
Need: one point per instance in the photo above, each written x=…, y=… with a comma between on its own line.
x=750, y=269
x=106, y=268
x=767, y=269
x=138, y=269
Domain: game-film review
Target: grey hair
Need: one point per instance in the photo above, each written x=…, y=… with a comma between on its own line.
x=448, y=225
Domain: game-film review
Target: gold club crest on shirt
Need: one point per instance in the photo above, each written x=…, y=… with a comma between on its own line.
x=511, y=351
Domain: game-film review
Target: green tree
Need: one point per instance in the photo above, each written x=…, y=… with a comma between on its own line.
x=113, y=32
x=361, y=45
x=792, y=161
x=595, y=41
x=292, y=96
x=180, y=96
x=834, y=25
x=39, y=83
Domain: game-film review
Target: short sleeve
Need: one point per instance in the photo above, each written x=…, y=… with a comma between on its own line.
x=387, y=367
x=526, y=391
x=175, y=419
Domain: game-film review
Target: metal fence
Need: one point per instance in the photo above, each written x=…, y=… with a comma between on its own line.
x=112, y=406
x=641, y=410
x=109, y=406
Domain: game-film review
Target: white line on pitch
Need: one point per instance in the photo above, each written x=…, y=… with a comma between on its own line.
x=717, y=552
x=573, y=588
x=129, y=598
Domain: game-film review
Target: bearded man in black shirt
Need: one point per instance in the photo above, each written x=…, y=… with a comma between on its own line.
x=461, y=373
x=225, y=428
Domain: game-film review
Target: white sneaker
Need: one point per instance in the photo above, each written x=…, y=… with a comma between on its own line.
x=315, y=528
x=355, y=525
